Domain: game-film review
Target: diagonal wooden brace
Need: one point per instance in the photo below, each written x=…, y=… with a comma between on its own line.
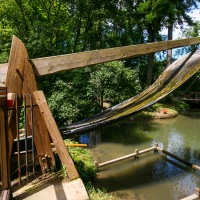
x=55, y=135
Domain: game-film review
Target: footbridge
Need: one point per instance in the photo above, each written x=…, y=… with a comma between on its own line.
x=18, y=89
x=189, y=97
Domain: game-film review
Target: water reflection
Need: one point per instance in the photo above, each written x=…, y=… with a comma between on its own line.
x=152, y=176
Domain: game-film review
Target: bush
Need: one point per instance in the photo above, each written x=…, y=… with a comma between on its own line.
x=83, y=161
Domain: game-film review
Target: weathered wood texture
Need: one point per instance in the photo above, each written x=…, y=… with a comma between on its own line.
x=3, y=71
x=15, y=73
x=55, y=135
x=14, y=82
x=129, y=156
x=179, y=159
x=53, y=64
x=3, y=95
x=41, y=136
x=49, y=65
x=4, y=155
x=21, y=81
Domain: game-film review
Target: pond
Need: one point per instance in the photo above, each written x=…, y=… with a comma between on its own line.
x=154, y=175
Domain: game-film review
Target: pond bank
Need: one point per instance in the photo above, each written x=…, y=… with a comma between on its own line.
x=161, y=111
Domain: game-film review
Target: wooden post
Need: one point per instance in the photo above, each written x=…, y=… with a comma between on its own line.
x=4, y=147
x=136, y=154
x=55, y=135
x=20, y=80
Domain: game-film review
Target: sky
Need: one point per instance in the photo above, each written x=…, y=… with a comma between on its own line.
x=195, y=14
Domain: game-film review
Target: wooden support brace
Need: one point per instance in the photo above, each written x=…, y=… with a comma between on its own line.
x=55, y=135
x=4, y=149
x=41, y=136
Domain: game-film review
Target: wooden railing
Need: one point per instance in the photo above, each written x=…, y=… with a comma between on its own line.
x=189, y=96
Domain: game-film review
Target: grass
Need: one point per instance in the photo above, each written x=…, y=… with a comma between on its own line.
x=95, y=194
x=162, y=110
x=86, y=168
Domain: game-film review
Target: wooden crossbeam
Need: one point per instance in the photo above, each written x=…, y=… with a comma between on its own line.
x=53, y=64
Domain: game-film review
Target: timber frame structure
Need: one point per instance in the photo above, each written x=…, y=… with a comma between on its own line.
x=17, y=79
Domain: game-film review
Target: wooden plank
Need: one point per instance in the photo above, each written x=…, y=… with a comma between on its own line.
x=125, y=157
x=3, y=95
x=55, y=135
x=14, y=81
x=3, y=90
x=3, y=72
x=4, y=150
x=179, y=159
x=41, y=136
x=50, y=65
x=15, y=72
x=53, y=64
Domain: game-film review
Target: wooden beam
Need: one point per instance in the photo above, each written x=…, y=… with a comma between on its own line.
x=15, y=72
x=179, y=159
x=55, y=135
x=3, y=72
x=4, y=149
x=3, y=95
x=129, y=156
x=50, y=65
x=14, y=82
x=41, y=136
x=53, y=64
x=20, y=80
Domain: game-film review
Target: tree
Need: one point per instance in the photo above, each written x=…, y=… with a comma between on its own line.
x=177, y=14
x=112, y=82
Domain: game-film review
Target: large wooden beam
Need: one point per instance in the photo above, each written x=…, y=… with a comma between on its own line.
x=14, y=82
x=50, y=65
x=41, y=135
x=53, y=64
x=4, y=150
x=20, y=80
x=55, y=135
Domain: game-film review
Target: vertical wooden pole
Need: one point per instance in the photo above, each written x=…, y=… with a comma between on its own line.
x=4, y=149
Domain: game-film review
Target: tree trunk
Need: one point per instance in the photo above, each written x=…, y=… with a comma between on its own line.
x=150, y=57
x=169, y=52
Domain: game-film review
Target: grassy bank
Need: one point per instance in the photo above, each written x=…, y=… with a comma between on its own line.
x=162, y=110
x=86, y=168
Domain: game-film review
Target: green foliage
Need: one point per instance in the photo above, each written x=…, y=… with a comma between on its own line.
x=99, y=194
x=83, y=162
x=59, y=27
x=180, y=106
x=113, y=82
x=80, y=93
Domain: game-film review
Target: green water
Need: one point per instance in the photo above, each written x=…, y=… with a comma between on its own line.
x=152, y=176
